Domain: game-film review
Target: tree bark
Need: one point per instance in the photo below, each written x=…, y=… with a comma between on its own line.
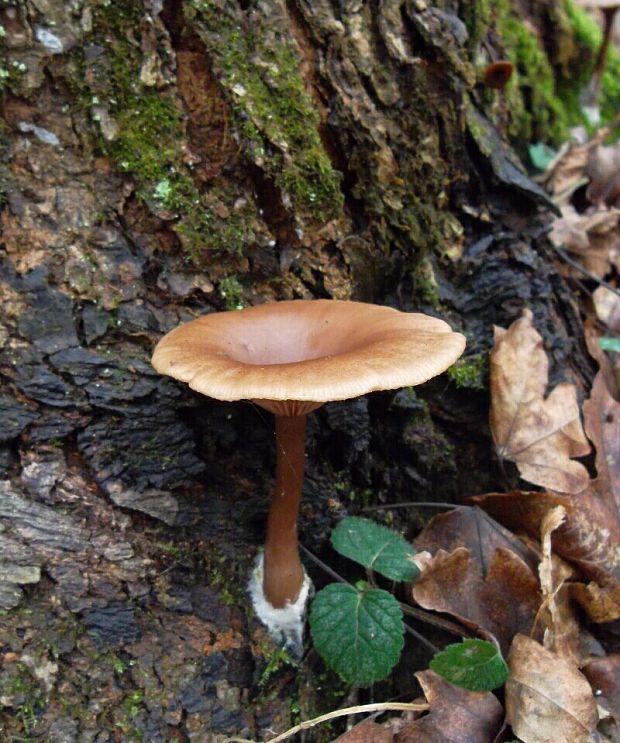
x=165, y=159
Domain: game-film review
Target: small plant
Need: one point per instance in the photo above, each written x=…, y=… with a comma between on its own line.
x=610, y=344
x=476, y=665
x=359, y=630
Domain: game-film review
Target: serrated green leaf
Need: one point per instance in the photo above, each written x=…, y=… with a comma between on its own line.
x=357, y=633
x=476, y=665
x=375, y=546
x=609, y=344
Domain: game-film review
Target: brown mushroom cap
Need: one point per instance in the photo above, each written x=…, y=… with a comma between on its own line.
x=306, y=350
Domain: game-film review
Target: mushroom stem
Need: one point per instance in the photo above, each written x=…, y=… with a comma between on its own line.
x=609, y=15
x=591, y=94
x=283, y=572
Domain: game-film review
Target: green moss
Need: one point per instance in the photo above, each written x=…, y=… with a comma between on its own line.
x=25, y=698
x=536, y=111
x=276, y=659
x=477, y=16
x=130, y=707
x=277, y=120
x=425, y=288
x=143, y=131
x=469, y=372
x=231, y=292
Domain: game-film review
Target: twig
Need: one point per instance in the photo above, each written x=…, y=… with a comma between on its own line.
x=425, y=616
x=361, y=709
x=415, y=504
x=418, y=636
x=585, y=271
x=322, y=565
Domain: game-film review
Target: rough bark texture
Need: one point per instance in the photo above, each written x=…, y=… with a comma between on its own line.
x=164, y=159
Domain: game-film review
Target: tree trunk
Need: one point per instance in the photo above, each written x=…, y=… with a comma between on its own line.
x=166, y=159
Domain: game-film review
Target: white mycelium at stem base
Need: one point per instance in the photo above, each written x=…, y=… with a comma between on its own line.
x=286, y=624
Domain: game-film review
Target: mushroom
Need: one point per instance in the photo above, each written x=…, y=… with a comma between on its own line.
x=498, y=74
x=290, y=357
x=589, y=96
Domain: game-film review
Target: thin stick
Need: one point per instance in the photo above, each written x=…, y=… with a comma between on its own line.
x=322, y=565
x=418, y=636
x=361, y=709
x=426, y=616
x=585, y=272
x=414, y=504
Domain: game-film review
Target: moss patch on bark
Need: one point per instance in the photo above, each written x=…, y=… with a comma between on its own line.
x=277, y=122
x=142, y=128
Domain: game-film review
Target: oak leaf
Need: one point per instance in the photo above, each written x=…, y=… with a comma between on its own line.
x=547, y=698
x=456, y=715
x=539, y=434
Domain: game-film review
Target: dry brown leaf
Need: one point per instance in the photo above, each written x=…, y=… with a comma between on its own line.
x=456, y=715
x=568, y=232
x=366, y=732
x=611, y=374
x=589, y=538
x=592, y=237
x=601, y=603
x=578, y=162
x=607, y=306
x=500, y=596
x=540, y=435
x=603, y=170
x=521, y=510
x=604, y=677
x=562, y=631
x=567, y=172
x=601, y=415
x=547, y=699
x=550, y=522
x=566, y=638
x=480, y=539
x=475, y=530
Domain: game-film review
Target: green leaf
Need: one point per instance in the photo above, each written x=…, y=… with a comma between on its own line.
x=375, y=546
x=610, y=344
x=473, y=664
x=357, y=633
x=541, y=155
